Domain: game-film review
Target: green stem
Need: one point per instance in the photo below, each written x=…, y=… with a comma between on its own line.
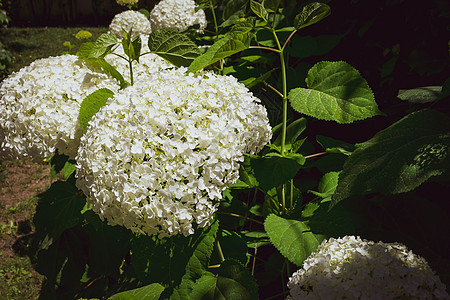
x=215, y=20
x=130, y=62
x=219, y=250
x=285, y=108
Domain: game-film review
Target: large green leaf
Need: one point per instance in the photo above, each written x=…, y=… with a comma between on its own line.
x=233, y=281
x=59, y=208
x=173, y=46
x=273, y=170
x=103, y=45
x=311, y=14
x=91, y=105
x=336, y=92
x=292, y=238
x=197, y=263
x=237, y=40
x=399, y=158
x=148, y=292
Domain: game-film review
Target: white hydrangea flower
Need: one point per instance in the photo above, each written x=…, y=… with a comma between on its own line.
x=353, y=268
x=39, y=106
x=177, y=14
x=157, y=157
x=127, y=2
x=130, y=19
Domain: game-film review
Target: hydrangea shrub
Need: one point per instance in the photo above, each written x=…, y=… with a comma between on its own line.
x=39, y=106
x=157, y=157
x=130, y=19
x=177, y=14
x=354, y=268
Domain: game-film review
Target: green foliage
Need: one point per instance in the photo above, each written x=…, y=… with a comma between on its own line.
x=58, y=209
x=327, y=186
x=233, y=281
x=6, y=60
x=91, y=105
x=311, y=14
x=236, y=40
x=148, y=292
x=274, y=169
x=173, y=46
x=297, y=198
x=399, y=158
x=292, y=238
x=421, y=95
x=336, y=92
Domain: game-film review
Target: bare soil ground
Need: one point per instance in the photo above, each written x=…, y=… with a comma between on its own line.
x=20, y=183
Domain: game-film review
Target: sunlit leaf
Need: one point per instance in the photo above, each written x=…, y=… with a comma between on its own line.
x=173, y=46
x=259, y=9
x=91, y=105
x=311, y=14
x=292, y=238
x=237, y=40
x=336, y=92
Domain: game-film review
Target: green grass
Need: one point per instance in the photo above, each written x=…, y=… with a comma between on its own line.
x=29, y=44
x=17, y=280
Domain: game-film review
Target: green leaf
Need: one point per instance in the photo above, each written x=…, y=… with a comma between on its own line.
x=331, y=145
x=197, y=263
x=259, y=10
x=274, y=170
x=311, y=14
x=233, y=246
x=69, y=167
x=237, y=40
x=85, y=50
x=292, y=238
x=59, y=208
x=103, y=45
x=421, y=95
x=399, y=158
x=337, y=221
x=254, y=81
x=293, y=131
x=91, y=105
x=336, y=92
x=111, y=71
x=149, y=292
x=173, y=46
x=272, y=5
x=233, y=281
x=255, y=239
x=327, y=186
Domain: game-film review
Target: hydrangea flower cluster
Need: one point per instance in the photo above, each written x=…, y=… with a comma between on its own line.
x=130, y=19
x=177, y=14
x=353, y=268
x=127, y=2
x=39, y=106
x=157, y=157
